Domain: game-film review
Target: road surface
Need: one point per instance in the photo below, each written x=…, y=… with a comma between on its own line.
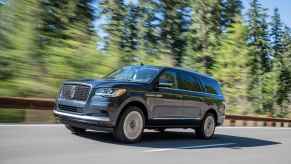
x=51, y=144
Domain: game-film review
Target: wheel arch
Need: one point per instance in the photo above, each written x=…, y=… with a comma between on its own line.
x=134, y=102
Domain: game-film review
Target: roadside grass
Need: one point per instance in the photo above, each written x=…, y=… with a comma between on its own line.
x=12, y=115
x=26, y=116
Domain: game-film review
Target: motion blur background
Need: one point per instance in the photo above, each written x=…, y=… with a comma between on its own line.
x=248, y=49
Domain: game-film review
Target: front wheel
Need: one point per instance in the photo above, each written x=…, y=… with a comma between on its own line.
x=207, y=128
x=130, y=127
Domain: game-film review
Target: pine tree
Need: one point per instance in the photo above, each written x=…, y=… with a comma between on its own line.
x=203, y=35
x=231, y=66
x=130, y=36
x=260, y=57
x=284, y=91
x=230, y=10
x=116, y=12
x=173, y=28
x=276, y=34
x=151, y=35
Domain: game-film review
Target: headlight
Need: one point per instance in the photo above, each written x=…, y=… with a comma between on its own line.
x=110, y=92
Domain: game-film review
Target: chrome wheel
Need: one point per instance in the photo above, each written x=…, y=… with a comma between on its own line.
x=209, y=126
x=133, y=125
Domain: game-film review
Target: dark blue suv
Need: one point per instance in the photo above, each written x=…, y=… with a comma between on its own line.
x=137, y=97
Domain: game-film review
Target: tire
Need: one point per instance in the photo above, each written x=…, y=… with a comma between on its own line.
x=75, y=130
x=207, y=128
x=130, y=126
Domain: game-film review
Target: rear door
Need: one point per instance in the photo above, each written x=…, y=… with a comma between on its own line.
x=193, y=95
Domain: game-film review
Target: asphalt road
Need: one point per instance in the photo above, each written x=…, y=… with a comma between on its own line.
x=52, y=144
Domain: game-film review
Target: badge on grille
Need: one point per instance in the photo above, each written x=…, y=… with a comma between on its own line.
x=73, y=91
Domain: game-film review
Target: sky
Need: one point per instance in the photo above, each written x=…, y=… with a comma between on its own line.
x=284, y=7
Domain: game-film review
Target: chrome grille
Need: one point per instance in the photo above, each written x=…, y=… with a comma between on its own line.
x=75, y=92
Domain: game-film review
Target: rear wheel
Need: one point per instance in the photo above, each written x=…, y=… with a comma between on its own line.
x=130, y=127
x=207, y=128
x=75, y=130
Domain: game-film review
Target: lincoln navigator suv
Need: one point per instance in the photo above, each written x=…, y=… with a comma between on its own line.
x=135, y=98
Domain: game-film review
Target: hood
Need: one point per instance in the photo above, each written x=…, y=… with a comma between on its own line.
x=106, y=83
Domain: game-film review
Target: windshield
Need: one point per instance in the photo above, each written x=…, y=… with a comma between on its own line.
x=134, y=73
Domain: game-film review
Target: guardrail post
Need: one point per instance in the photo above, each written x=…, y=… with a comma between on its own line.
x=255, y=123
x=232, y=122
x=245, y=123
x=273, y=124
x=282, y=124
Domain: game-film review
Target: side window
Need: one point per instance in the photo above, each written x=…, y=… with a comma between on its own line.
x=212, y=86
x=168, y=77
x=188, y=82
x=210, y=89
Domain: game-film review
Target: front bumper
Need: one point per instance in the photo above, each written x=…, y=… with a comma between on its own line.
x=83, y=121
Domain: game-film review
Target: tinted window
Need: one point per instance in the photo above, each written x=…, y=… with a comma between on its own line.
x=169, y=77
x=187, y=81
x=211, y=86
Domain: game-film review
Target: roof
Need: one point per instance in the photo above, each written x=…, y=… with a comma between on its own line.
x=182, y=69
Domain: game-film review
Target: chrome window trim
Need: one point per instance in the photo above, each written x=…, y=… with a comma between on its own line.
x=177, y=89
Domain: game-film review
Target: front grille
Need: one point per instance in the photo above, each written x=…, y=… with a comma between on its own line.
x=69, y=108
x=75, y=92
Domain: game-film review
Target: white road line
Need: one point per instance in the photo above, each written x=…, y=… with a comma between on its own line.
x=30, y=125
x=188, y=147
x=257, y=127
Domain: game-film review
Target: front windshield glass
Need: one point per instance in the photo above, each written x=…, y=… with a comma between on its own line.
x=134, y=73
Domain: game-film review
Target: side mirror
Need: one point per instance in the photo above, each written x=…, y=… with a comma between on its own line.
x=166, y=84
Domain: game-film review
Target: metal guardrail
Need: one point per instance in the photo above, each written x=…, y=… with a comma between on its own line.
x=27, y=103
x=231, y=120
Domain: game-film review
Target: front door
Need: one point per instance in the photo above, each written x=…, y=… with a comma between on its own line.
x=167, y=101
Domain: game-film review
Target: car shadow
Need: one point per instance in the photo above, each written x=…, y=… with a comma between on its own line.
x=184, y=140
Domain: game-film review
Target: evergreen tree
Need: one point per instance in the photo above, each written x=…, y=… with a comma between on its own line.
x=231, y=9
x=231, y=67
x=203, y=35
x=151, y=36
x=130, y=36
x=284, y=91
x=173, y=28
x=276, y=34
x=260, y=57
x=116, y=13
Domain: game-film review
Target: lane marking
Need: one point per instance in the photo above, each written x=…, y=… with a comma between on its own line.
x=188, y=147
x=258, y=127
x=30, y=125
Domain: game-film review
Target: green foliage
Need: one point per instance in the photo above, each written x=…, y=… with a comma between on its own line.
x=284, y=90
x=231, y=67
x=260, y=57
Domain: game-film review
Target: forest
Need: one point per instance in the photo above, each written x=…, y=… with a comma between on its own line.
x=43, y=42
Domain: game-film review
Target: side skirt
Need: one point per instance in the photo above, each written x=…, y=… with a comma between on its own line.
x=173, y=123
